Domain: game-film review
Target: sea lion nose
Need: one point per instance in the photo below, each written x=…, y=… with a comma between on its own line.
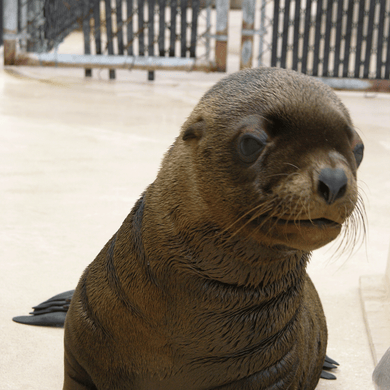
x=332, y=184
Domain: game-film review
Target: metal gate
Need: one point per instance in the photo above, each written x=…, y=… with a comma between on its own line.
x=326, y=38
x=132, y=34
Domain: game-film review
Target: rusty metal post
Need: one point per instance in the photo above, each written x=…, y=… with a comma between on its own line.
x=208, y=28
x=10, y=29
x=262, y=32
x=87, y=32
x=221, y=39
x=23, y=25
x=247, y=32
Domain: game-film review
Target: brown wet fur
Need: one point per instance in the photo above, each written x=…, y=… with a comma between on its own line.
x=204, y=285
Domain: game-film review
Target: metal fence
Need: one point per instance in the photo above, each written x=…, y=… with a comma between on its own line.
x=327, y=38
x=345, y=39
x=141, y=34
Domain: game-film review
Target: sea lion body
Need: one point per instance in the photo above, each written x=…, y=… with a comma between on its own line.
x=204, y=285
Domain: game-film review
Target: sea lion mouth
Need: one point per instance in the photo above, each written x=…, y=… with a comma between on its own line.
x=303, y=234
x=321, y=223
x=317, y=222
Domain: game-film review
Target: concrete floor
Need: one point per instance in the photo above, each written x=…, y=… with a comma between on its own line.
x=75, y=154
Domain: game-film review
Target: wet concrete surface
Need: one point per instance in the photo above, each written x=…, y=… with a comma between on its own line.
x=75, y=154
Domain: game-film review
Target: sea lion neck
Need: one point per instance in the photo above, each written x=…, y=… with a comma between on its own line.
x=236, y=268
x=204, y=252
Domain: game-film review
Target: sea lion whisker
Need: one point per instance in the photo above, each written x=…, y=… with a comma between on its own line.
x=306, y=209
x=353, y=231
x=350, y=237
x=273, y=215
x=260, y=209
x=358, y=220
x=248, y=221
x=301, y=204
x=246, y=214
x=279, y=215
x=287, y=163
x=288, y=175
x=361, y=217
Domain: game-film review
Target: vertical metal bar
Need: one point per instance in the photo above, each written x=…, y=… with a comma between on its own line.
x=129, y=29
x=151, y=4
x=247, y=31
x=263, y=31
x=23, y=23
x=96, y=17
x=208, y=28
x=161, y=29
x=339, y=23
x=297, y=21
x=119, y=27
x=222, y=8
x=306, y=36
x=110, y=44
x=172, y=41
x=347, y=48
x=141, y=32
x=369, y=39
x=317, y=38
x=380, y=50
x=1, y=22
x=194, y=26
x=387, y=67
x=33, y=11
x=10, y=29
x=286, y=23
x=86, y=33
x=387, y=64
x=328, y=30
x=275, y=34
x=183, y=28
x=359, y=39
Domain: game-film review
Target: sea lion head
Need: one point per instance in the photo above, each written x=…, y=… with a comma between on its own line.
x=270, y=154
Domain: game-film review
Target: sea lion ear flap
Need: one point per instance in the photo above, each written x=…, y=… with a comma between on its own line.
x=357, y=148
x=195, y=131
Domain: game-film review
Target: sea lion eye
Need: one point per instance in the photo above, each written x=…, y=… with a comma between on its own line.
x=357, y=146
x=358, y=151
x=250, y=146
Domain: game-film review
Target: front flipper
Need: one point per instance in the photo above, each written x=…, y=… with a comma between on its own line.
x=49, y=313
x=329, y=364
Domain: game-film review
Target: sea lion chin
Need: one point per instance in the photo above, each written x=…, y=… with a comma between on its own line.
x=204, y=286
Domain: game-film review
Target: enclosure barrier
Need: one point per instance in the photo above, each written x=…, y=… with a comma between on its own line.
x=345, y=43
x=43, y=24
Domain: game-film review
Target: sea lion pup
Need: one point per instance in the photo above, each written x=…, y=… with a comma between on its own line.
x=204, y=285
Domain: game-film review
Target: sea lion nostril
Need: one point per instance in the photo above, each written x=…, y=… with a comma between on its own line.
x=332, y=184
